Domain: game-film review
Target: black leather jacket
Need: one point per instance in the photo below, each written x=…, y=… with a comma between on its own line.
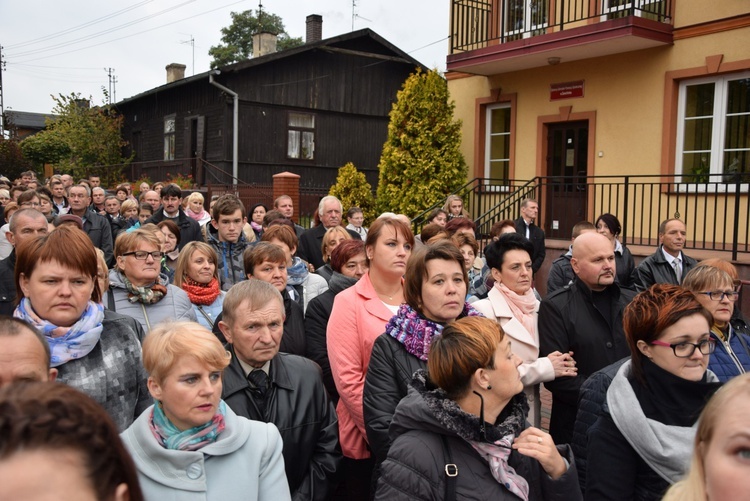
x=656, y=270
x=299, y=407
x=8, y=284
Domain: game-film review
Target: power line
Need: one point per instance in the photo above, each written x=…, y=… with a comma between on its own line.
x=74, y=28
x=100, y=33
x=135, y=34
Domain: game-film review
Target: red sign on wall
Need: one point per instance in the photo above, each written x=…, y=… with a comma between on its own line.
x=566, y=90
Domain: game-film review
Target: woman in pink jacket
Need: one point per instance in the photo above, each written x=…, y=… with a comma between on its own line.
x=359, y=316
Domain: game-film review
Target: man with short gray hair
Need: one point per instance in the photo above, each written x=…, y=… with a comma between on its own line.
x=311, y=242
x=96, y=227
x=287, y=390
x=25, y=355
x=25, y=224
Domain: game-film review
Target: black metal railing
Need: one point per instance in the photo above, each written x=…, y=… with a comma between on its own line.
x=479, y=23
x=716, y=213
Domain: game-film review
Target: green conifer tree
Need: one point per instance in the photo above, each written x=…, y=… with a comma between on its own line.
x=421, y=161
x=353, y=190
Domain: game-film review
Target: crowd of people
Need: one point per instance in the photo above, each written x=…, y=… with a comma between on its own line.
x=168, y=347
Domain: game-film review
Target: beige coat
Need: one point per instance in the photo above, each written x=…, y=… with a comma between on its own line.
x=534, y=370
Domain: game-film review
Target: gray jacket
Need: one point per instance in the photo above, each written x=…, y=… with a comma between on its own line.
x=244, y=463
x=175, y=305
x=112, y=373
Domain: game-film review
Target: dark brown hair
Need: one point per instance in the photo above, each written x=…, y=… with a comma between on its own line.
x=344, y=252
x=54, y=417
x=416, y=269
x=459, y=223
x=400, y=227
x=262, y=251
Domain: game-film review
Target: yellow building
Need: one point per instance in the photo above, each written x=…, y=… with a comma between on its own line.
x=571, y=91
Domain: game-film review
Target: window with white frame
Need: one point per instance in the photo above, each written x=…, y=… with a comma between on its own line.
x=169, y=138
x=525, y=17
x=497, y=142
x=301, y=136
x=713, y=132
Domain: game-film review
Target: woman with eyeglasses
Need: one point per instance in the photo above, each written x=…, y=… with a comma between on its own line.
x=137, y=286
x=716, y=291
x=643, y=439
x=461, y=432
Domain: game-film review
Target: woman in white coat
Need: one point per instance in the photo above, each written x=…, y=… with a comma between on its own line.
x=511, y=302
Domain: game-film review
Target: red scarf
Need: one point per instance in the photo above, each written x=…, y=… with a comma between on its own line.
x=201, y=293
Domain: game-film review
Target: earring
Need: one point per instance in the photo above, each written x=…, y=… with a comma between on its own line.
x=489, y=386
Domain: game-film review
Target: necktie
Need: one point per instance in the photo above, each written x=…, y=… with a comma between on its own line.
x=678, y=269
x=260, y=380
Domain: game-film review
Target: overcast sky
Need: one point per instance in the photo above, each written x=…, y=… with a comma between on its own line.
x=64, y=46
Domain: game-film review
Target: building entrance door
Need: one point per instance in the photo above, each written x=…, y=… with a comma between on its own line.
x=567, y=166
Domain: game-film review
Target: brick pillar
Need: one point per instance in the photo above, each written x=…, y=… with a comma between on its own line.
x=287, y=183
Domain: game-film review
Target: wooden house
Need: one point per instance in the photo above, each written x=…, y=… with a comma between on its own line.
x=307, y=110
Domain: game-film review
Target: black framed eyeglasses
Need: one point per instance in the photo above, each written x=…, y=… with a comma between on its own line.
x=720, y=295
x=686, y=350
x=143, y=255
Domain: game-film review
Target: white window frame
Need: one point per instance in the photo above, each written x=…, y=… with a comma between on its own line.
x=716, y=174
x=295, y=140
x=170, y=137
x=527, y=30
x=488, y=143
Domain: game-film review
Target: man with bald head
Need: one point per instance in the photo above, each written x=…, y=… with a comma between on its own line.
x=584, y=318
x=24, y=225
x=25, y=355
x=152, y=198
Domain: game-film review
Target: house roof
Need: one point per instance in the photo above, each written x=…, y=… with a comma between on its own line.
x=357, y=42
x=28, y=119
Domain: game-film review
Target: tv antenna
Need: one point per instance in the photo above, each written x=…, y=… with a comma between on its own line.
x=356, y=16
x=192, y=45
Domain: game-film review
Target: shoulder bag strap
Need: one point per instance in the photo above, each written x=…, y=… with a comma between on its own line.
x=451, y=471
x=208, y=319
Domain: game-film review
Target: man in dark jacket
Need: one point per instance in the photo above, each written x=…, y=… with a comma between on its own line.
x=171, y=207
x=584, y=318
x=96, y=227
x=525, y=226
x=286, y=390
x=24, y=225
x=668, y=265
x=311, y=241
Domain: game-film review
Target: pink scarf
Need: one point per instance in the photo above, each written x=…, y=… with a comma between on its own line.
x=522, y=307
x=197, y=216
x=497, y=456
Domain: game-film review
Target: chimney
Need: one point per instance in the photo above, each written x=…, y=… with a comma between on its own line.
x=264, y=43
x=175, y=71
x=314, y=28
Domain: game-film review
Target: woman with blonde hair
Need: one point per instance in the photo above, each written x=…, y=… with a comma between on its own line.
x=190, y=443
x=196, y=273
x=138, y=288
x=715, y=289
x=331, y=238
x=454, y=207
x=196, y=210
x=718, y=470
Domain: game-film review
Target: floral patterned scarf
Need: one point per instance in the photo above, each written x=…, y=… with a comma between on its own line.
x=415, y=332
x=170, y=437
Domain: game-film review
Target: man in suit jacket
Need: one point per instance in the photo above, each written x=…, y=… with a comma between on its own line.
x=668, y=265
x=525, y=226
x=171, y=208
x=311, y=241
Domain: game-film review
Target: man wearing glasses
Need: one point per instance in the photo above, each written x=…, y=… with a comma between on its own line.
x=668, y=265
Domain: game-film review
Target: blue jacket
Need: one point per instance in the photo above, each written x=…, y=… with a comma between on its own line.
x=731, y=358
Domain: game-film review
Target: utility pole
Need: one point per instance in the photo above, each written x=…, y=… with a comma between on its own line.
x=114, y=89
x=2, y=104
x=112, y=80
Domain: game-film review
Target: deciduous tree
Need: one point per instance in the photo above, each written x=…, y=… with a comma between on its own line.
x=237, y=38
x=81, y=140
x=421, y=161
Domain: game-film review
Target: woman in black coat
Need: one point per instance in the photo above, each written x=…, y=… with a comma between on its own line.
x=435, y=288
x=461, y=433
x=349, y=263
